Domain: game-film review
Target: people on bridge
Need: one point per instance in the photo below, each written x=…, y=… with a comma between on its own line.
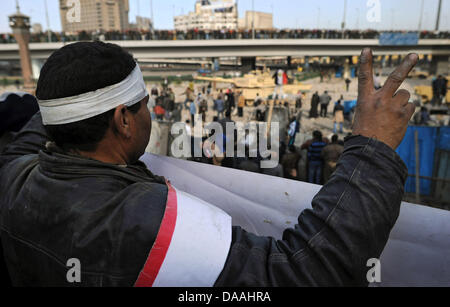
x=195, y=34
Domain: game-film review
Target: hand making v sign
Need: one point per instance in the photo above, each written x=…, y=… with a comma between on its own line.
x=383, y=114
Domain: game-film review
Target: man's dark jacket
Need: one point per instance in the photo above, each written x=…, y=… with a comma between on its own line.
x=55, y=206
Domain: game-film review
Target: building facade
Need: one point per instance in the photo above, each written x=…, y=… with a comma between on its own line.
x=96, y=15
x=143, y=23
x=209, y=15
x=36, y=28
x=262, y=21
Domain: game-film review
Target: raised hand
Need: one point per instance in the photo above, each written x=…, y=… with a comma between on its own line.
x=383, y=114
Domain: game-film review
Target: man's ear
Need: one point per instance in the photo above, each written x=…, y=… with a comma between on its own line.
x=121, y=121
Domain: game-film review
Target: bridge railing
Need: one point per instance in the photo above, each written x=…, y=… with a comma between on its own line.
x=132, y=35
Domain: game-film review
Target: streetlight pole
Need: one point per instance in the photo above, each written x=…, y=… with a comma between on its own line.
x=253, y=19
x=151, y=15
x=438, y=16
x=421, y=17
x=48, y=22
x=345, y=17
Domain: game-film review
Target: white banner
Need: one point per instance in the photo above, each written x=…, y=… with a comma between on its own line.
x=418, y=251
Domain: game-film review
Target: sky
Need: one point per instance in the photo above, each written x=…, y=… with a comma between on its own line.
x=308, y=14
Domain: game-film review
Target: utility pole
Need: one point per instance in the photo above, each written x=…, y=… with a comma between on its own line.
x=151, y=15
x=345, y=17
x=48, y=22
x=421, y=16
x=438, y=16
x=253, y=19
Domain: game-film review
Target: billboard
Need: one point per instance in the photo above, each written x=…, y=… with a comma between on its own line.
x=399, y=39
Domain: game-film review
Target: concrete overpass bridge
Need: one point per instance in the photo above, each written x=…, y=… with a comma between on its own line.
x=247, y=49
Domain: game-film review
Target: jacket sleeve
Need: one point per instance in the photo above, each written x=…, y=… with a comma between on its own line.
x=349, y=223
x=30, y=140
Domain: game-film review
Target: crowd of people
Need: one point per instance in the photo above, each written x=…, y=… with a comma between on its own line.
x=198, y=34
x=437, y=105
x=320, y=155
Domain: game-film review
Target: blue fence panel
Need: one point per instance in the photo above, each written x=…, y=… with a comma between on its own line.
x=444, y=138
x=428, y=140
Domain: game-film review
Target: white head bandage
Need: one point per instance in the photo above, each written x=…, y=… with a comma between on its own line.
x=77, y=108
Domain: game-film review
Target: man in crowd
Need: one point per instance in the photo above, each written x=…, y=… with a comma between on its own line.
x=193, y=108
x=219, y=105
x=424, y=116
x=338, y=113
x=293, y=129
x=189, y=97
x=440, y=89
x=171, y=99
x=315, y=100
x=72, y=187
x=347, y=84
x=276, y=171
x=230, y=102
x=324, y=102
x=315, y=161
x=279, y=79
x=377, y=81
x=241, y=104
x=16, y=109
x=299, y=101
x=330, y=155
x=290, y=163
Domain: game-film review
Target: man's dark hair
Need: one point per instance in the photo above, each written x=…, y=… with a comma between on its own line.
x=334, y=138
x=77, y=69
x=317, y=135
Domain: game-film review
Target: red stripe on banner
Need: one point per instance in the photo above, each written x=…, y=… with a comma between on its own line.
x=159, y=250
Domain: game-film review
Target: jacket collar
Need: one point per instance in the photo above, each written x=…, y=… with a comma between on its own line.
x=56, y=163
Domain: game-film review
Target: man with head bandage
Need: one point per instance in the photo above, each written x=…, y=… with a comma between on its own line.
x=72, y=188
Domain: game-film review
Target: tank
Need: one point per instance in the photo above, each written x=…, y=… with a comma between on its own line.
x=259, y=83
